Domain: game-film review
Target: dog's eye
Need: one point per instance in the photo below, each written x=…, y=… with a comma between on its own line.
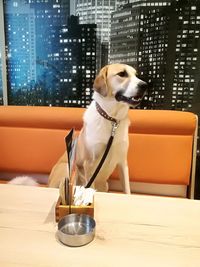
x=122, y=74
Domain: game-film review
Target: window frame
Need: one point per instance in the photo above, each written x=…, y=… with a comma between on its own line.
x=3, y=55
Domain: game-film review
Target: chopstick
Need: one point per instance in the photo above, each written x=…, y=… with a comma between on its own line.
x=71, y=190
x=70, y=147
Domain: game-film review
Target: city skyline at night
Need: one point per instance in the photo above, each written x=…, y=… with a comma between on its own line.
x=37, y=65
x=159, y=38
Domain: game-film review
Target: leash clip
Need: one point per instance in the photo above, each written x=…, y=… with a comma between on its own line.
x=114, y=128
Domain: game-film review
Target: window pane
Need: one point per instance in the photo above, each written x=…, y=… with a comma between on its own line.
x=44, y=54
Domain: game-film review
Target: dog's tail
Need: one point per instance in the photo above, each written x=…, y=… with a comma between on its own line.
x=23, y=180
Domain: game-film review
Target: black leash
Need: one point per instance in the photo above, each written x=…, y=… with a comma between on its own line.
x=114, y=127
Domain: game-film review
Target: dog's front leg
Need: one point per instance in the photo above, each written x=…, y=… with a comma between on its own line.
x=124, y=176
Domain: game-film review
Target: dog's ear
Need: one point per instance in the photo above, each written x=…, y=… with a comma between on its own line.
x=100, y=82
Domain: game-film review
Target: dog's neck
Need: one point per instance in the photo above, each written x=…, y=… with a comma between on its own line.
x=104, y=114
x=114, y=109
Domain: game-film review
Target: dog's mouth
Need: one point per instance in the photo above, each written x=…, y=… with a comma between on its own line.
x=132, y=101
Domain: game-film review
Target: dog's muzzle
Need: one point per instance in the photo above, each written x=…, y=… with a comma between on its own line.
x=133, y=100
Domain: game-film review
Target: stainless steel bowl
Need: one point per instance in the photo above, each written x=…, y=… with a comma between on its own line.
x=76, y=229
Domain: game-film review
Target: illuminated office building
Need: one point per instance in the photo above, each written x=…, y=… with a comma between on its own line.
x=30, y=29
x=20, y=31
x=161, y=39
x=98, y=12
x=77, y=58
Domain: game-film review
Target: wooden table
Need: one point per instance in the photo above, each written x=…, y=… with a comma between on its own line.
x=131, y=231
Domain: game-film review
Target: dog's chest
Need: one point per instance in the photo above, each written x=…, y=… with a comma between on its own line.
x=100, y=132
x=97, y=138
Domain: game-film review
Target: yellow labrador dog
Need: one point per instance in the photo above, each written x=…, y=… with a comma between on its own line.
x=116, y=88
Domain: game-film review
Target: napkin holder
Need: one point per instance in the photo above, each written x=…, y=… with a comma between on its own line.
x=62, y=210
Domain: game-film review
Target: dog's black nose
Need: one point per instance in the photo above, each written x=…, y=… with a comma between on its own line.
x=143, y=86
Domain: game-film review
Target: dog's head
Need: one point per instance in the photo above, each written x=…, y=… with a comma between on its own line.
x=120, y=81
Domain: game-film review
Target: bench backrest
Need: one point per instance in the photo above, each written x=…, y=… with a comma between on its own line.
x=161, y=150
